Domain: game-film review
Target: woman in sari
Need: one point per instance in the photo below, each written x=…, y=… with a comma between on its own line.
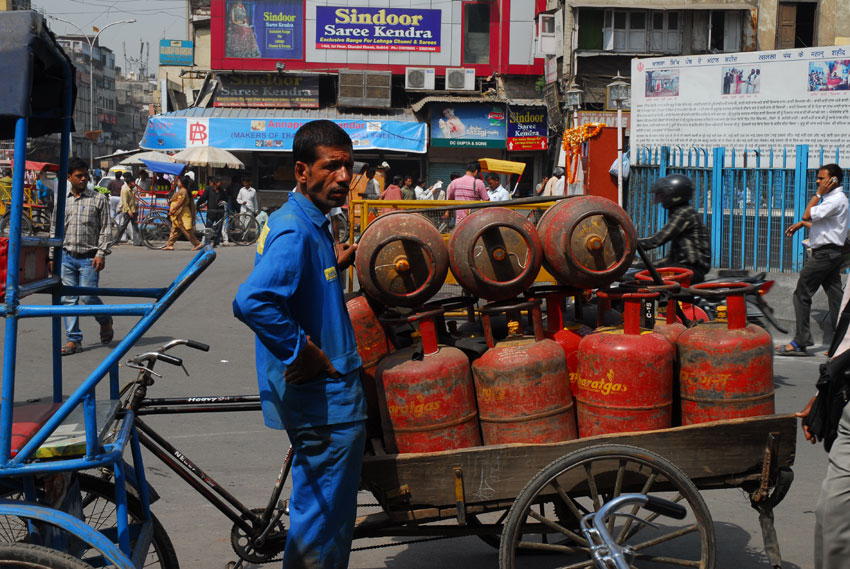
x=181, y=211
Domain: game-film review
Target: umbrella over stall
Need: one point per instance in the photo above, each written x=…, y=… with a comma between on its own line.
x=137, y=159
x=209, y=156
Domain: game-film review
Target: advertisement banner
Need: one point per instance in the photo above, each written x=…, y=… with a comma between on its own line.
x=268, y=90
x=757, y=100
x=275, y=134
x=528, y=128
x=392, y=29
x=468, y=126
x=176, y=52
x=272, y=29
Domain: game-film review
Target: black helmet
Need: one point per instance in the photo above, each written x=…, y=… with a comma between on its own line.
x=673, y=190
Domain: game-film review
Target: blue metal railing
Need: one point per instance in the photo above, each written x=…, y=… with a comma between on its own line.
x=747, y=199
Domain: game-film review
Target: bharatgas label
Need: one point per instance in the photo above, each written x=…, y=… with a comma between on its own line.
x=377, y=28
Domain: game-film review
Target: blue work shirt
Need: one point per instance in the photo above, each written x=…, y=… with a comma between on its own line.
x=293, y=292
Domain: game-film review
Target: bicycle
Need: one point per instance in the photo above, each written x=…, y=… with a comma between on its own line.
x=240, y=228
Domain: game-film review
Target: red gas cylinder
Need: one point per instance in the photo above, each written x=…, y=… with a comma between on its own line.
x=495, y=253
x=372, y=345
x=521, y=383
x=566, y=334
x=402, y=259
x=588, y=241
x=683, y=277
x=427, y=394
x=727, y=366
x=625, y=375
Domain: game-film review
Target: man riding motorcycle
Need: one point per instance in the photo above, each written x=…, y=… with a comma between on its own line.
x=690, y=247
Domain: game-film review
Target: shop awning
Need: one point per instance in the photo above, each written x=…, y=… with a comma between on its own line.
x=691, y=5
x=272, y=130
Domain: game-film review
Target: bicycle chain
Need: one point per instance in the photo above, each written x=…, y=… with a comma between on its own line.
x=409, y=542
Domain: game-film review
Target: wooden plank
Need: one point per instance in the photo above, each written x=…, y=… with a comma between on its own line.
x=712, y=452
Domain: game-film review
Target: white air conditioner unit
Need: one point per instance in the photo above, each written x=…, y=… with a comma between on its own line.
x=419, y=78
x=460, y=79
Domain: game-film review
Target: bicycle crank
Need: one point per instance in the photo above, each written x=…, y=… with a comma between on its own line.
x=245, y=547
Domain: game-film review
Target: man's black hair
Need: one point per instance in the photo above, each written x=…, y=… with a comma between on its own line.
x=455, y=175
x=370, y=173
x=117, y=174
x=317, y=133
x=215, y=179
x=397, y=180
x=834, y=171
x=493, y=176
x=473, y=166
x=75, y=164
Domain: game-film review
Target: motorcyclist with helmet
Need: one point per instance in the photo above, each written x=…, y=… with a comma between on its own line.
x=690, y=247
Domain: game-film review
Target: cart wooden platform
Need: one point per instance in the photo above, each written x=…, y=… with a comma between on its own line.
x=535, y=493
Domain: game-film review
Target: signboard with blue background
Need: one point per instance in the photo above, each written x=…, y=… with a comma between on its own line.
x=167, y=132
x=264, y=29
x=468, y=126
x=393, y=29
x=176, y=52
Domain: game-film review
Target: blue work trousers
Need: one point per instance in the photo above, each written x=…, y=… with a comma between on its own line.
x=323, y=505
x=79, y=272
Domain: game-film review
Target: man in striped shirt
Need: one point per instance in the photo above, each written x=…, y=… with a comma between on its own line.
x=467, y=188
x=85, y=246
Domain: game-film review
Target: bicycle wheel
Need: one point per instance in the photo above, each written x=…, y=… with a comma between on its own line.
x=155, y=229
x=26, y=226
x=545, y=516
x=243, y=229
x=40, y=221
x=99, y=511
x=28, y=556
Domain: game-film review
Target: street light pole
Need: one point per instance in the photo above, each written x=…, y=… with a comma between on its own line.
x=619, y=91
x=91, y=43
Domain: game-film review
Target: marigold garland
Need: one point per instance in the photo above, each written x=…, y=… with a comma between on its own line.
x=573, y=139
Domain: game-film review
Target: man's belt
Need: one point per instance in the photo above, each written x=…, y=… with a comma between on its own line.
x=86, y=255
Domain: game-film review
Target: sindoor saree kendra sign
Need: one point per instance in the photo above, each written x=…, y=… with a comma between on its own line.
x=759, y=100
x=267, y=90
x=377, y=28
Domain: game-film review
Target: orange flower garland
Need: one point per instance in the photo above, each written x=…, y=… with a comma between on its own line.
x=573, y=139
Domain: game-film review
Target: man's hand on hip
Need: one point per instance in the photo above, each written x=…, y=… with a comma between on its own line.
x=311, y=362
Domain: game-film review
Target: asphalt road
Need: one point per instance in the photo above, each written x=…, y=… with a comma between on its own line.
x=244, y=456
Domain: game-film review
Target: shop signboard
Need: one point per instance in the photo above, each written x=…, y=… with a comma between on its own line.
x=528, y=128
x=461, y=125
x=176, y=52
x=607, y=118
x=267, y=90
x=272, y=29
x=391, y=29
x=166, y=132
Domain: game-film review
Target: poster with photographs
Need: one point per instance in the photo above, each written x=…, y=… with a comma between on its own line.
x=755, y=100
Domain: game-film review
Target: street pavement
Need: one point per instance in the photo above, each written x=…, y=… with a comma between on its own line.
x=244, y=456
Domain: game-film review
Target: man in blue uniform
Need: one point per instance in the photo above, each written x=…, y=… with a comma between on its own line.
x=306, y=355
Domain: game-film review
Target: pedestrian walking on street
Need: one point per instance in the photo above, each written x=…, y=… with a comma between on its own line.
x=827, y=216
x=467, y=188
x=129, y=212
x=215, y=198
x=181, y=211
x=247, y=198
x=84, y=250
x=308, y=368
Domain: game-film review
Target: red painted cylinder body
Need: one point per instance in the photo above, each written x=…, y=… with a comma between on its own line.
x=566, y=334
x=372, y=345
x=625, y=377
x=522, y=387
x=430, y=403
x=726, y=368
x=495, y=253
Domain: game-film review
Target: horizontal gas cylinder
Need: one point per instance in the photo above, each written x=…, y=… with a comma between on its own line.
x=521, y=383
x=495, y=253
x=726, y=365
x=402, y=259
x=588, y=241
x=427, y=395
x=625, y=374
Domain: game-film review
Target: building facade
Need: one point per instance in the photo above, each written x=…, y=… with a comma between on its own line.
x=426, y=85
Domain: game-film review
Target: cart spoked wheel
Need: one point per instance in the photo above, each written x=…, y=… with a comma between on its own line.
x=28, y=556
x=155, y=229
x=99, y=511
x=26, y=226
x=546, y=514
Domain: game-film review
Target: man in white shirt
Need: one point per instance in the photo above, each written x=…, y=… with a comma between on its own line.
x=495, y=189
x=247, y=198
x=827, y=216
